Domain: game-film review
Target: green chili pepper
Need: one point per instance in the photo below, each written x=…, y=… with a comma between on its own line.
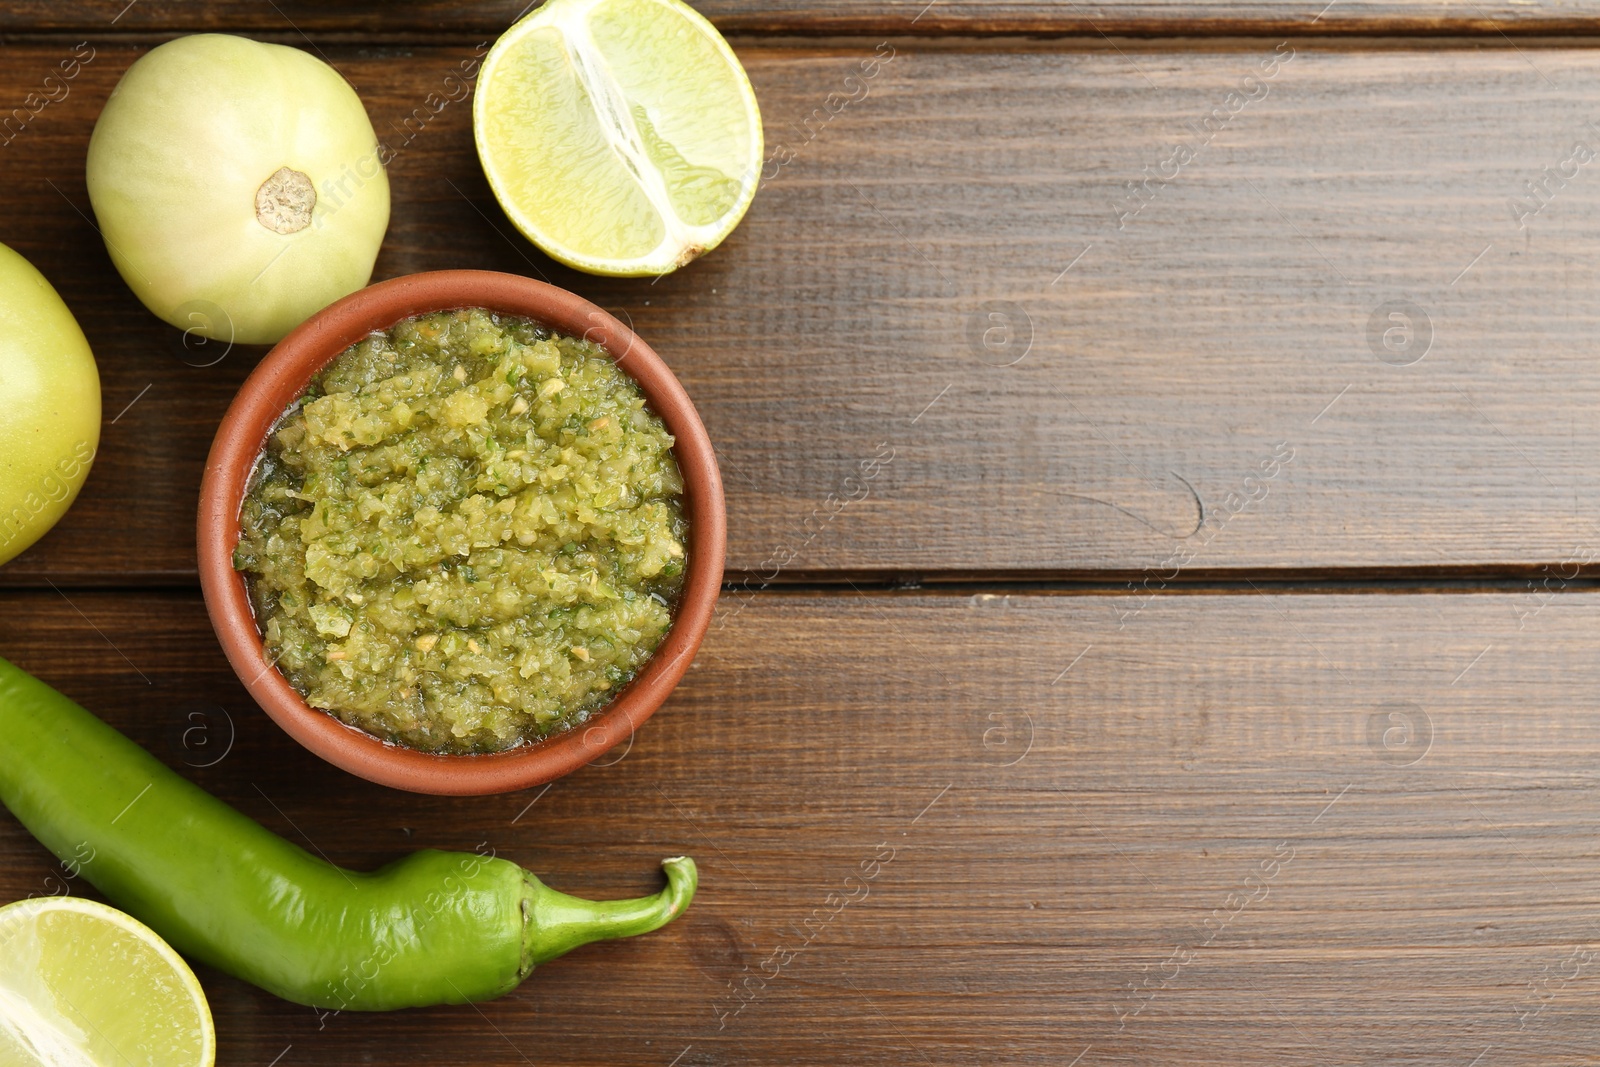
x=432, y=928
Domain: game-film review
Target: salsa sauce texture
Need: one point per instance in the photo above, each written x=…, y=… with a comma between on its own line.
x=468, y=534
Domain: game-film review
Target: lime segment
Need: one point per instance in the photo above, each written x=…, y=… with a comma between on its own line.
x=621, y=136
x=83, y=985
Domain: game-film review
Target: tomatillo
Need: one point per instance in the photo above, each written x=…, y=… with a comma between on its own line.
x=49, y=405
x=239, y=186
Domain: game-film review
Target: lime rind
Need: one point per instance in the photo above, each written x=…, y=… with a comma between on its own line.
x=65, y=1003
x=675, y=201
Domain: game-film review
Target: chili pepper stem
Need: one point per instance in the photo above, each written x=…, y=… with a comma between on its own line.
x=432, y=928
x=555, y=923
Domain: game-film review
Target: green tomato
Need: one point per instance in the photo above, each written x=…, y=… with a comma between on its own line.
x=49, y=405
x=239, y=186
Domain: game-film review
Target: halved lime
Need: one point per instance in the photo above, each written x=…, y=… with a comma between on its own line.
x=621, y=136
x=83, y=985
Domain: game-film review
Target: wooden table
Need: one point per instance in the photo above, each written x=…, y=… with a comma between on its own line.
x=1204, y=673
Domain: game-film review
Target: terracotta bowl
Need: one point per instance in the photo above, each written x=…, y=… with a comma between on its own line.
x=284, y=374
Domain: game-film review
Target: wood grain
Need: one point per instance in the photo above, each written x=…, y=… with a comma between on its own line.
x=1145, y=17
x=1236, y=830
x=1175, y=825
x=964, y=213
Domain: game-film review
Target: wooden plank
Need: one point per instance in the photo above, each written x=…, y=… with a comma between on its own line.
x=812, y=17
x=1241, y=829
x=1196, y=382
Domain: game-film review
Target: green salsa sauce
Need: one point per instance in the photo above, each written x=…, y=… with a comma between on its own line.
x=468, y=534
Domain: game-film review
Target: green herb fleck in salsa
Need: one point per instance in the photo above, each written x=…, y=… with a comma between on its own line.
x=466, y=535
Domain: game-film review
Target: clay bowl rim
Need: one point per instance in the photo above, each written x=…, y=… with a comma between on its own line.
x=283, y=375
